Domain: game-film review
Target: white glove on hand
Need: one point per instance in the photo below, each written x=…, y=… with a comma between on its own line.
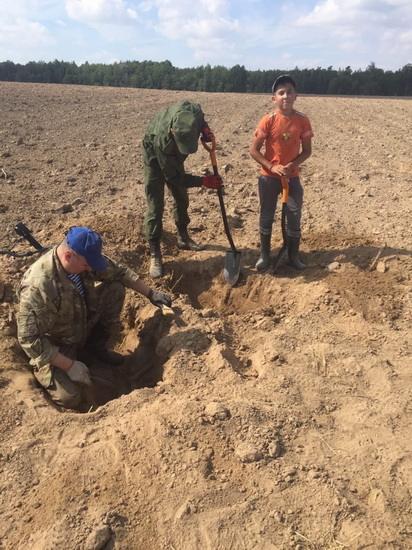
x=78, y=372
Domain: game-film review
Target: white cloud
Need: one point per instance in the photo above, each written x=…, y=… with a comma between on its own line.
x=30, y=34
x=256, y=33
x=102, y=56
x=22, y=40
x=25, y=34
x=198, y=29
x=367, y=29
x=359, y=12
x=399, y=43
x=214, y=7
x=260, y=34
x=145, y=6
x=203, y=25
x=106, y=12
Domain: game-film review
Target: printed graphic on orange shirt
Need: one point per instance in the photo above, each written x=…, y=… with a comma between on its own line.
x=286, y=136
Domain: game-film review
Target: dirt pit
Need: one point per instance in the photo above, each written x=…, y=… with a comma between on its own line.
x=274, y=414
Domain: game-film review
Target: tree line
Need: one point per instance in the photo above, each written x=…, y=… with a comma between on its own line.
x=164, y=76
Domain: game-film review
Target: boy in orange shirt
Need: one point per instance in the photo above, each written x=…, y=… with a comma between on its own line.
x=287, y=136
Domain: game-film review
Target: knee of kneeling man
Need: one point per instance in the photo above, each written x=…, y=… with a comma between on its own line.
x=68, y=401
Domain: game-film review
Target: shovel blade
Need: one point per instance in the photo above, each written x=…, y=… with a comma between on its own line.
x=232, y=267
x=279, y=258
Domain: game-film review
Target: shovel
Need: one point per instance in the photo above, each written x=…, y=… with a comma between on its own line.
x=232, y=261
x=282, y=252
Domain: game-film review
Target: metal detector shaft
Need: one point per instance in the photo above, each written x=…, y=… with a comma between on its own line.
x=24, y=232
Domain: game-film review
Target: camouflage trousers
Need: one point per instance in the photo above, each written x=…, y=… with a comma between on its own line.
x=155, y=188
x=60, y=387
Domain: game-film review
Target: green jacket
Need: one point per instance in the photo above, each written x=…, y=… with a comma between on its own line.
x=52, y=312
x=160, y=147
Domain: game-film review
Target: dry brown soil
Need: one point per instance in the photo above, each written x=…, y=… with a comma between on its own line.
x=275, y=414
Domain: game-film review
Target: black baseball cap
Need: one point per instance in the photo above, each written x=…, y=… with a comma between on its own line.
x=283, y=79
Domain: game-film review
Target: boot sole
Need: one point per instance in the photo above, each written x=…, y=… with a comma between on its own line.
x=189, y=247
x=156, y=273
x=263, y=268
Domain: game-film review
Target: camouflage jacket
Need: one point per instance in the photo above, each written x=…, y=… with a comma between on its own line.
x=52, y=312
x=160, y=148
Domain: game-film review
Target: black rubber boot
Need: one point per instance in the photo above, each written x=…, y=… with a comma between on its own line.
x=184, y=242
x=155, y=268
x=96, y=345
x=263, y=262
x=293, y=253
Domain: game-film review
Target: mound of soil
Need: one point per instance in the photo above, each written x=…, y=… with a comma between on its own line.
x=274, y=414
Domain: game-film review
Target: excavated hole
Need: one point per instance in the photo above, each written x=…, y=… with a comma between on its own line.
x=142, y=368
x=205, y=285
x=202, y=282
x=201, y=279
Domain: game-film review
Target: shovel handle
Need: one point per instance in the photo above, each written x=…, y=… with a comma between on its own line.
x=211, y=149
x=212, y=152
x=285, y=189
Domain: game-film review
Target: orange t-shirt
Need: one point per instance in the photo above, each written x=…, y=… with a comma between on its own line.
x=282, y=136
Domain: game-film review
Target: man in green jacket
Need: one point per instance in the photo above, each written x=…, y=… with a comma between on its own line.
x=64, y=317
x=170, y=137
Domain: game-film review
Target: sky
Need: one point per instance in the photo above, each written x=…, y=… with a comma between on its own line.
x=258, y=34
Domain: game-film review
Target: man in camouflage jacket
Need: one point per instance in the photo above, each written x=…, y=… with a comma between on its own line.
x=62, y=312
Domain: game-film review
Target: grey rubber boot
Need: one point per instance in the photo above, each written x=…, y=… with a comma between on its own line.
x=155, y=269
x=263, y=262
x=184, y=242
x=293, y=253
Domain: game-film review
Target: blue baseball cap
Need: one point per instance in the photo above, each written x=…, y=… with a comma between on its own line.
x=87, y=243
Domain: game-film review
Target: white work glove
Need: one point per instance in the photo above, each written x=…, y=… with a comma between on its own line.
x=78, y=372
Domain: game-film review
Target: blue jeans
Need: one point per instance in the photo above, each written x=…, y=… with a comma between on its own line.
x=269, y=191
